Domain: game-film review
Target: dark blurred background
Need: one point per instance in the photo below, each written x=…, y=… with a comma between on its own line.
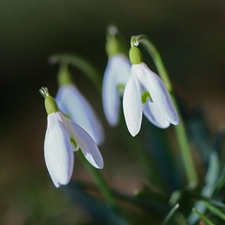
x=190, y=35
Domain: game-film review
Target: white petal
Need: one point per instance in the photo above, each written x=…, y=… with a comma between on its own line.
x=117, y=72
x=58, y=152
x=153, y=115
x=158, y=92
x=73, y=103
x=85, y=142
x=132, y=105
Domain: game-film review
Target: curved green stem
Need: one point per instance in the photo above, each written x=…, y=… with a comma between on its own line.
x=180, y=128
x=184, y=147
x=147, y=44
x=100, y=182
x=170, y=215
x=203, y=217
x=81, y=64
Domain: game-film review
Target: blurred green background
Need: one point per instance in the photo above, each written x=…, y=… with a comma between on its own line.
x=190, y=35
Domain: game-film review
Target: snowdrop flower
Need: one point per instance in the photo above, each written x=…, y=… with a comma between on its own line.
x=74, y=105
x=63, y=136
x=115, y=77
x=145, y=92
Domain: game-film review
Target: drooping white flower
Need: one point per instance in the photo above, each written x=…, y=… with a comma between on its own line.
x=72, y=103
x=116, y=75
x=64, y=136
x=145, y=92
x=115, y=79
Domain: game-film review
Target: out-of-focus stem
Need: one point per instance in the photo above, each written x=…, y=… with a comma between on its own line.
x=82, y=64
x=100, y=182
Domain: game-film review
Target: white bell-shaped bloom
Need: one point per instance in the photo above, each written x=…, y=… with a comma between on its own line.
x=62, y=137
x=158, y=107
x=73, y=104
x=115, y=79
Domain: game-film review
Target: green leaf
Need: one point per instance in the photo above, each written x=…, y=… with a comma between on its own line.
x=100, y=212
x=170, y=215
x=207, y=191
x=204, y=218
x=214, y=210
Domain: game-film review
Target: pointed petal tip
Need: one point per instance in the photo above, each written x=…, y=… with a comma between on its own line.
x=164, y=127
x=133, y=131
x=62, y=180
x=176, y=122
x=57, y=185
x=112, y=123
x=55, y=182
x=100, y=166
x=95, y=160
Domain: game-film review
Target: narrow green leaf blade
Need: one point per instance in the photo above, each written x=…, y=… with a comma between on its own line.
x=99, y=212
x=204, y=218
x=215, y=210
x=170, y=215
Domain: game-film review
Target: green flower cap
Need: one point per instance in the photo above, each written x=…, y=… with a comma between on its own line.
x=114, y=42
x=64, y=76
x=112, y=46
x=50, y=103
x=135, y=55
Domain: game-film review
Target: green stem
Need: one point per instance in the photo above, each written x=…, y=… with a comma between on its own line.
x=100, y=182
x=180, y=128
x=170, y=215
x=147, y=44
x=203, y=217
x=147, y=162
x=184, y=147
x=81, y=64
x=215, y=210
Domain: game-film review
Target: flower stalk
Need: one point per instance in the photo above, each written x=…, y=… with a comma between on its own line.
x=180, y=128
x=101, y=183
x=82, y=64
x=70, y=99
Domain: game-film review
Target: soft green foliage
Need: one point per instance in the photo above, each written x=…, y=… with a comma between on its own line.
x=215, y=210
x=204, y=218
x=170, y=215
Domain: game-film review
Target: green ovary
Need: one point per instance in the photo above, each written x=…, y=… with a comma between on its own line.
x=145, y=97
x=50, y=105
x=120, y=88
x=74, y=143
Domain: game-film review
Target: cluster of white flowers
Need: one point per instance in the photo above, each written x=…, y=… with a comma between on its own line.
x=142, y=91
